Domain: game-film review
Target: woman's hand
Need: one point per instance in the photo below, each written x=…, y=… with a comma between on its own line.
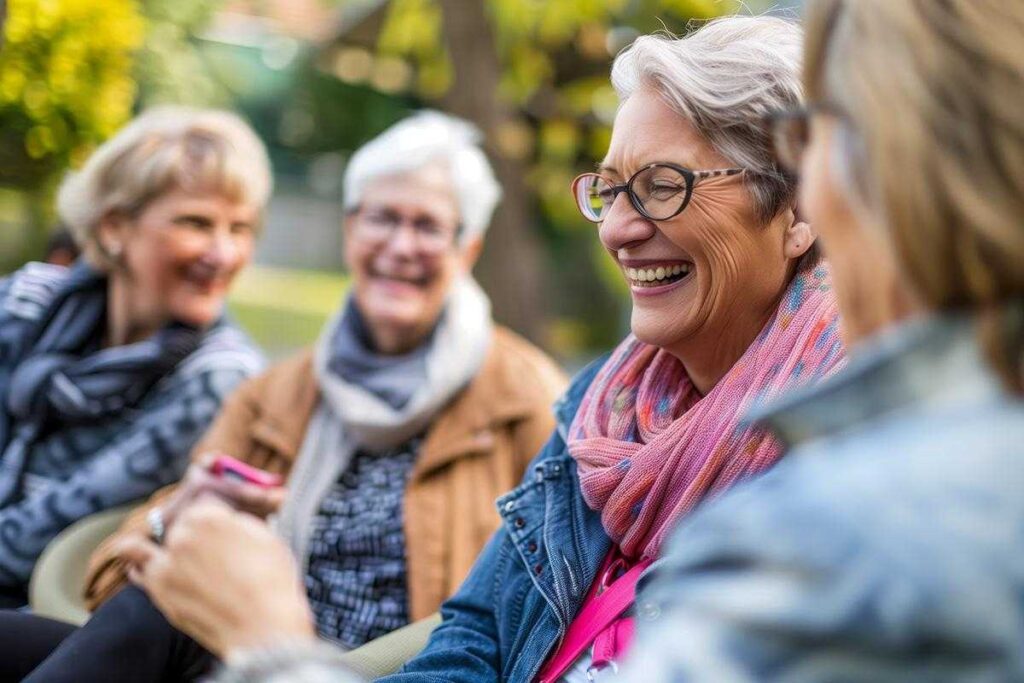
x=199, y=482
x=223, y=578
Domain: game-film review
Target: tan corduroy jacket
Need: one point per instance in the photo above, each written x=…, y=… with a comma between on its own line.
x=474, y=451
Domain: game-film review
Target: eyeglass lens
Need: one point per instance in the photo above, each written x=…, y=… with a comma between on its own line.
x=657, y=191
x=380, y=224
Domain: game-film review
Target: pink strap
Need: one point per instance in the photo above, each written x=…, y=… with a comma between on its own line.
x=597, y=624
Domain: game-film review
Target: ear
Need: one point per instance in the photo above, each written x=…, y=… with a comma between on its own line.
x=470, y=253
x=348, y=223
x=799, y=237
x=111, y=234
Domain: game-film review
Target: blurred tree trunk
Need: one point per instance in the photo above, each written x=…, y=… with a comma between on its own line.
x=512, y=268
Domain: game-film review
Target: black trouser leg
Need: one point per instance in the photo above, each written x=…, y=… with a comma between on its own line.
x=12, y=597
x=26, y=640
x=127, y=639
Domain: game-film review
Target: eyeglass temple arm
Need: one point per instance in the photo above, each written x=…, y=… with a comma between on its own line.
x=700, y=175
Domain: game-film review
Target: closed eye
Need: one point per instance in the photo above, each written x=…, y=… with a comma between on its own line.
x=665, y=190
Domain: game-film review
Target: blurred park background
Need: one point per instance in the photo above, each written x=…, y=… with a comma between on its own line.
x=317, y=78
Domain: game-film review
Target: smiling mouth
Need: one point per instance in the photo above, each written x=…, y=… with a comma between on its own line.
x=414, y=281
x=205, y=278
x=657, y=276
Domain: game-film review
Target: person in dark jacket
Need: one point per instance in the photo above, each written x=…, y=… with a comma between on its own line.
x=111, y=369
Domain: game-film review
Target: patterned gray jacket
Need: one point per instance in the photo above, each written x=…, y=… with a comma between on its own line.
x=91, y=466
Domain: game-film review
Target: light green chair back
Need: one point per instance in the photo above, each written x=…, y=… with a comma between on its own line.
x=387, y=654
x=55, y=590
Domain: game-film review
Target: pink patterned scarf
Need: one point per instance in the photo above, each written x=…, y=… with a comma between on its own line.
x=649, y=448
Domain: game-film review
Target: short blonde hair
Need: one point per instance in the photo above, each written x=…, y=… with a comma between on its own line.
x=162, y=149
x=724, y=78
x=933, y=145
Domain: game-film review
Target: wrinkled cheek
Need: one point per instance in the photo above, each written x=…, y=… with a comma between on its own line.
x=714, y=280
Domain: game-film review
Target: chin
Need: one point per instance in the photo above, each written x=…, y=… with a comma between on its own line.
x=653, y=329
x=398, y=320
x=202, y=315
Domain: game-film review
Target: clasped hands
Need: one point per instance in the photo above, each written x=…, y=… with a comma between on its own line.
x=221, y=575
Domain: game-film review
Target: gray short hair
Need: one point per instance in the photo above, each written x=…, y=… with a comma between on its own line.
x=422, y=139
x=724, y=78
x=164, y=148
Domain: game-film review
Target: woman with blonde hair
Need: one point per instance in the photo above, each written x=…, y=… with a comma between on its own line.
x=888, y=546
x=111, y=369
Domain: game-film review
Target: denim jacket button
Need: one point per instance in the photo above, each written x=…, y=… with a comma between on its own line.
x=519, y=523
x=531, y=547
x=538, y=569
x=510, y=506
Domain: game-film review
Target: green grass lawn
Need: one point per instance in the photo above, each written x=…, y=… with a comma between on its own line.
x=284, y=308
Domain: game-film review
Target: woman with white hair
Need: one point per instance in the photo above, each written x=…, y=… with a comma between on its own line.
x=731, y=306
x=112, y=368
x=395, y=433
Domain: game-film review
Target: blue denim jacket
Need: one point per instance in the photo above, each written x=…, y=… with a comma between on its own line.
x=887, y=546
x=531, y=578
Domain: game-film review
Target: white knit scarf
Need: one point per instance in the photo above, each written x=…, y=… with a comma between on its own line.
x=347, y=417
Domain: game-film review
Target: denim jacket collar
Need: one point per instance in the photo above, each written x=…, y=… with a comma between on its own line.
x=926, y=364
x=565, y=407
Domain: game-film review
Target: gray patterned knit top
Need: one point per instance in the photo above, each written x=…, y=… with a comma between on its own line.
x=356, y=573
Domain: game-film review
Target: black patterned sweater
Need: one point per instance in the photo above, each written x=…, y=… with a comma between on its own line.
x=356, y=571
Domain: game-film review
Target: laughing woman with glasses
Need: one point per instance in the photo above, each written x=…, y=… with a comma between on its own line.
x=731, y=306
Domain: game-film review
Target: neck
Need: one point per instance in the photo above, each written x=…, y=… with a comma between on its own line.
x=390, y=341
x=708, y=358
x=126, y=323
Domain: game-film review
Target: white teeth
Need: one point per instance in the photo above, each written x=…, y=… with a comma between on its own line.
x=659, y=273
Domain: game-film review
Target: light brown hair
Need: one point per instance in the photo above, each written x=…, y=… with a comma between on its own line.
x=930, y=96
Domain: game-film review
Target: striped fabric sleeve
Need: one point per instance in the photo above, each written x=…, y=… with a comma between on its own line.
x=152, y=452
x=28, y=292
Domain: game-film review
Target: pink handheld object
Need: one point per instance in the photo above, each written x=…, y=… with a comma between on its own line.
x=227, y=467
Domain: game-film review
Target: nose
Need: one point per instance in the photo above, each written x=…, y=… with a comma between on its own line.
x=402, y=241
x=624, y=225
x=224, y=250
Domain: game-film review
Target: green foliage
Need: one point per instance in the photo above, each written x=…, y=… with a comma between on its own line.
x=72, y=72
x=170, y=67
x=65, y=82
x=555, y=56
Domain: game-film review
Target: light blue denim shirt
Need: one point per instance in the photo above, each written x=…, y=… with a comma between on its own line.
x=887, y=546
